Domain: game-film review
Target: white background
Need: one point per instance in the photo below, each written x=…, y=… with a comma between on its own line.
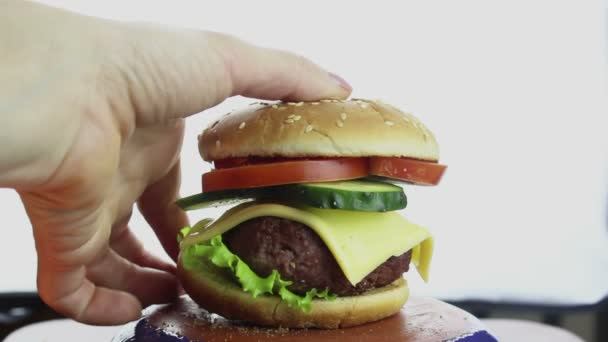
x=514, y=90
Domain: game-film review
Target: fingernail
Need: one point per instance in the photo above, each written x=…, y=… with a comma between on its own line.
x=341, y=82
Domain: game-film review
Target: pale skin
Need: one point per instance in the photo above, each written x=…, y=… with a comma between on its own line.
x=92, y=115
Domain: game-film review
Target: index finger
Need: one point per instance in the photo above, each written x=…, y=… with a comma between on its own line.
x=171, y=74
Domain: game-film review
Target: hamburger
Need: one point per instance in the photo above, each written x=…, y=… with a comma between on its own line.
x=313, y=237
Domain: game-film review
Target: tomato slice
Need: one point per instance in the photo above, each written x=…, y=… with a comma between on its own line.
x=286, y=172
x=406, y=169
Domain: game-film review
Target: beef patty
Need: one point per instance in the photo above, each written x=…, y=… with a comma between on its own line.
x=299, y=254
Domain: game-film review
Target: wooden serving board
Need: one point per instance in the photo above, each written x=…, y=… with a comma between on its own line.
x=421, y=320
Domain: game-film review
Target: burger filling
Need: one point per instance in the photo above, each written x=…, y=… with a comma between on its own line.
x=303, y=254
x=299, y=255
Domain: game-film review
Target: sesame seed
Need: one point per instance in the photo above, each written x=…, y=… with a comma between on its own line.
x=389, y=123
x=339, y=123
x=291, y=116
x=299, y=104
x=315, y=103
x=288, y=121
x=325, y=101
x=218, y=143
x=343, y=116
x=308, y=129
x=275, y=106
x=297, y=117
x=242, y=125
x=282, y=108
x=364, y=105
x=291, y=103
x=335, y=101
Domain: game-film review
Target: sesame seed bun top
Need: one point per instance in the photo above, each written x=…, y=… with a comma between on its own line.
x=328, y=128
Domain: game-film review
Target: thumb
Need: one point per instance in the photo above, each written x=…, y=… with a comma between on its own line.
x=181, y=72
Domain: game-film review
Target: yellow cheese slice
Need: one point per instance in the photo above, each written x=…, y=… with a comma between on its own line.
x=360, y=241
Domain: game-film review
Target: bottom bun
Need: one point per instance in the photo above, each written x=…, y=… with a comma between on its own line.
x=217, y=293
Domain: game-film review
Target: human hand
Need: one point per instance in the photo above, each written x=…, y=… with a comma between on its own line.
x=92, y=119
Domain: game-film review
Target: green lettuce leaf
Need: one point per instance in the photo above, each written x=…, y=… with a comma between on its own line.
x=217, y=253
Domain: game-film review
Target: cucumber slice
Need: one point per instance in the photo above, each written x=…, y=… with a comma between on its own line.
x=358, y=195
x=216, y=199
x=355, y=195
